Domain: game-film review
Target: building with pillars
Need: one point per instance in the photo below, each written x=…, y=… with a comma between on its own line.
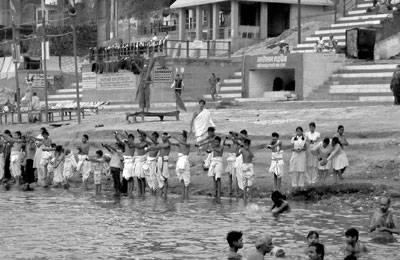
x=241, y=20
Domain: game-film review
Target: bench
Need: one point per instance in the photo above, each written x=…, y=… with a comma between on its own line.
x=142, y=114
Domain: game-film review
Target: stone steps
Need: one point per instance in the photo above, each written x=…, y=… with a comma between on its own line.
x=357, y=17
x=231, y=88
x=362, y=82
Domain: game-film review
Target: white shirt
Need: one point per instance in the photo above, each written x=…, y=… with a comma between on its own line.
x=299, y=143
x=313, y=136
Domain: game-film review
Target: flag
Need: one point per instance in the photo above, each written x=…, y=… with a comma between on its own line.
x=12, y=7
x=72, y=3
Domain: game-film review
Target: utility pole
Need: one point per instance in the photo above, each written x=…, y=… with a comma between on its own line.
x=44, y=57
x=72, y=14
x=299, y=21
x=15, y=60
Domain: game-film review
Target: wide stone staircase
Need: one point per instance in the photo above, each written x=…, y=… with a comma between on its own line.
x=358, y=16
x=359, y=81
x=231, y=88
x=65, y=95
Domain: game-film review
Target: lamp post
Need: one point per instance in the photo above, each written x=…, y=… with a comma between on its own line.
x=72, y=14
x=299, y=21
x=44, y=57
x=15, y=60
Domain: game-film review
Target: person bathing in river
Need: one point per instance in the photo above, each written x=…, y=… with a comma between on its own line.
x=384, y=223
x=280, y=205
x=277, y=163
x=353, y=246
x=312, y=237
x=235, y=241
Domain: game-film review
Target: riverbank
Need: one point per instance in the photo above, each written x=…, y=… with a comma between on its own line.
x=372, y=131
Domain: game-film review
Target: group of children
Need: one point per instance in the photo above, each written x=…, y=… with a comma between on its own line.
x=147, y=160
x=312, y=160
x=352, y=249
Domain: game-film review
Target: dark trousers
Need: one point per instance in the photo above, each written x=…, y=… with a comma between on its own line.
x=29, y=171
x=115, y=172
x=7, y=172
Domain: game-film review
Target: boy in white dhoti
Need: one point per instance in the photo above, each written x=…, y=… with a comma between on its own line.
x=140, y=159
x=45, y=142
x=69, y=167
x=230, y=162
x=216, y=166
x=150, y=167
x=277, y=163
x=16, y=153
x=83, y=165
x=162, y=173
x=128, y=157
x=239, y=138
x=182, y=165
x=247, y=168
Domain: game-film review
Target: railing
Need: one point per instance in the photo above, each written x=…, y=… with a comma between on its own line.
x=198, y=49
x=156, y=28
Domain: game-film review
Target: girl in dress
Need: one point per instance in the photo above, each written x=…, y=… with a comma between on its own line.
x=312, y=138
x=341, y=136
x=298, y=160
x=338, y=158
x=58, y=166
x=69, y=167
x=322, y=150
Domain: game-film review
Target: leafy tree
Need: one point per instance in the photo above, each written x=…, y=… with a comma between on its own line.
x=141, y=9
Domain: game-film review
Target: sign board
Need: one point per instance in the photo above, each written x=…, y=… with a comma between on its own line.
x=271, y=62
x=108, y=81
x=37, y=80
x=89, y=80
x=162, y=75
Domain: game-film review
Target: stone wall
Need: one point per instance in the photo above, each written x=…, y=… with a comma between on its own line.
x=195, y=76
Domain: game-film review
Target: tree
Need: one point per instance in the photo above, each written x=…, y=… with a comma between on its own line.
x=141, y=9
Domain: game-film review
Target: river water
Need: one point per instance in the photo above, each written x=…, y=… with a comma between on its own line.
x=61, y=224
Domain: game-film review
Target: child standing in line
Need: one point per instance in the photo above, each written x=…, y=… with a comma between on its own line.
x=280, y=204
x=353, y=246
x=277, y=163
x=322, y=150
x=312, y=138
x=116, y=165
x=338, y=158
x=231, y=159
x=182, y=164
x=97, y=163
x=70, y=165
x=298, y=162
x=58, y=166
x=247, y=168
x=50, y=155
x=216, y=166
